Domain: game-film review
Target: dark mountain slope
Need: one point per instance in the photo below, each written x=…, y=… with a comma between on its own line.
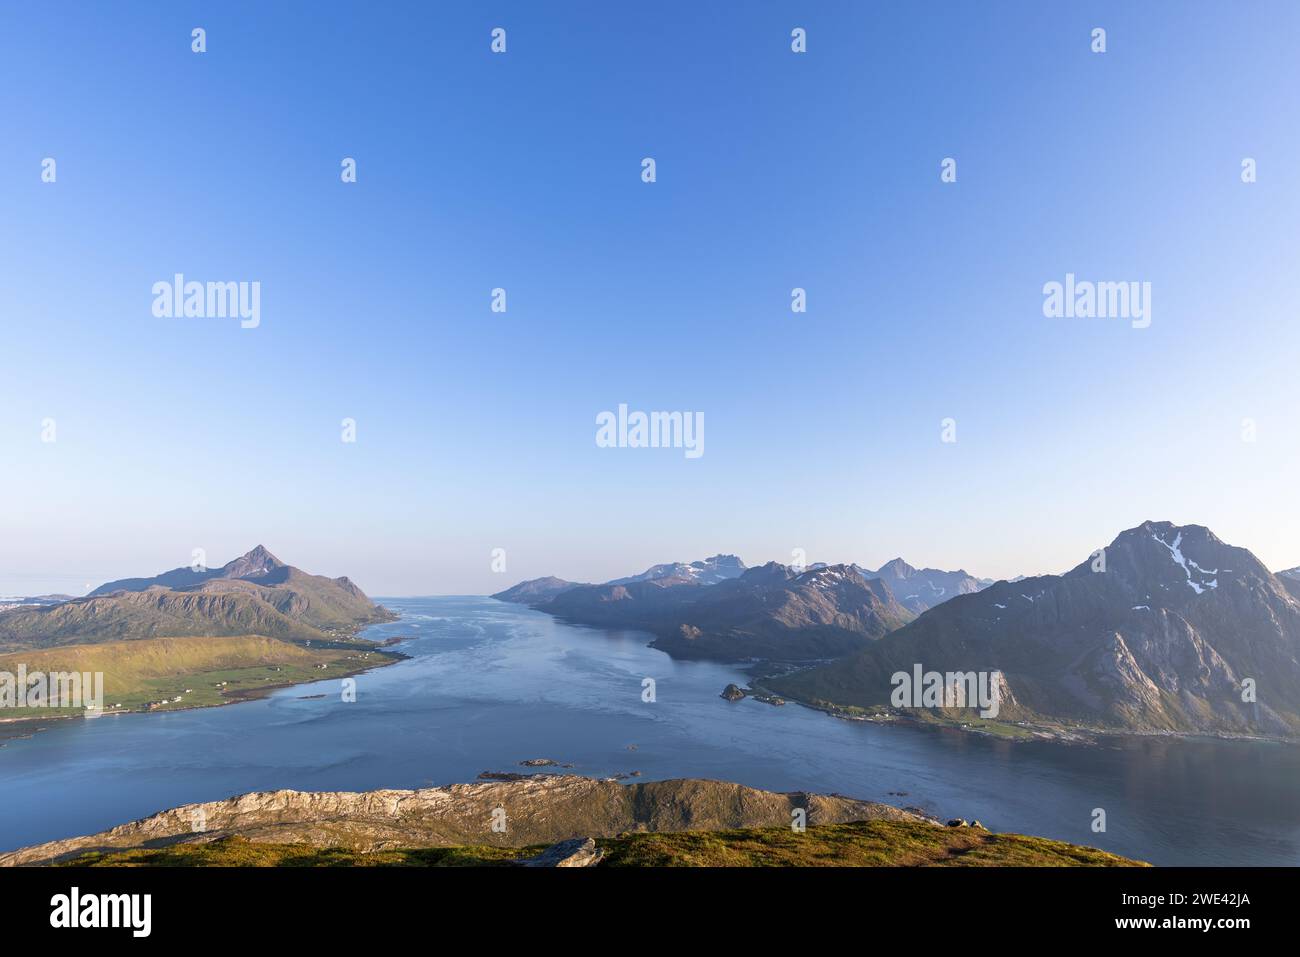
x=770, y=611
x=1162, y=639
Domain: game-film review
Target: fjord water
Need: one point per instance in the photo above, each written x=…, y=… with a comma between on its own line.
x=489, y=685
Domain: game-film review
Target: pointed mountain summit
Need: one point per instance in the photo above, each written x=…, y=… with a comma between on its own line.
x=1166, y=629
x=1175, y=557
x=257, y=563
x=920, y=589
x=719, y=608
x=253, y=564
x=254, y=594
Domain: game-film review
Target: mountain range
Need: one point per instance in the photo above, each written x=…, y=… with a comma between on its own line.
x=717, y=608
x=1172, y=630
x=771, y=611
x=920, y=589
x=710, y=571
x=255, y=594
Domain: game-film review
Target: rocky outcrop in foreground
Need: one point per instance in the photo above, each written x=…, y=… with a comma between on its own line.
x=575, y=852
x=540, y=809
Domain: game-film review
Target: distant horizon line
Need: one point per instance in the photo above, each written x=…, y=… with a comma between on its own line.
x=88, y=581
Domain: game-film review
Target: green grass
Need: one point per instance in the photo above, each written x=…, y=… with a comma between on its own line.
x=964, y=718
x=861, y=844
x=146, y=670
x=241, y=852
x=971, y=721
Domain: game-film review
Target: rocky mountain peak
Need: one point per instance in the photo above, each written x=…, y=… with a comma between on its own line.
x=253, y=564
x=721, y=562
x=896, y=568
x=1182, y=560
x=709, y=571
x=1157, y=631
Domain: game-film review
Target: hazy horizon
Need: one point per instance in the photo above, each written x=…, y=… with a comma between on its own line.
x=504, y=579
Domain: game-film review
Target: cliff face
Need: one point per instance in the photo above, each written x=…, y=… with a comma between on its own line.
x=537, y=810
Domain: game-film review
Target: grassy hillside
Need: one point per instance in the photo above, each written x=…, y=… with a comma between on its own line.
x=256, y=594
x=137, y=673
x=148, y=614
x=860, y=844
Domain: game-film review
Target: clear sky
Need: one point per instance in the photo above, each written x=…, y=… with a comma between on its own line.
x=522, y=170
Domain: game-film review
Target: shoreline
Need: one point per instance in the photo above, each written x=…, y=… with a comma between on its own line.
x=1083, y=735
x=847, y=770
x=756, y=669
x=27, y=726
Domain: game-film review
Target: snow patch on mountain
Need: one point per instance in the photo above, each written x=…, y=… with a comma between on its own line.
x=1187, y=564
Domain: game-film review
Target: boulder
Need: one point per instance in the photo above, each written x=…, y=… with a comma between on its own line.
x=575, y=852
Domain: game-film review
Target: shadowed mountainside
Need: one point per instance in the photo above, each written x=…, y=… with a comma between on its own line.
x=771, y=611
x=1173, y=633
x=719, y=609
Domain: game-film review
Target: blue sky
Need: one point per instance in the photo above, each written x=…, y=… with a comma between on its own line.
x=475, y=430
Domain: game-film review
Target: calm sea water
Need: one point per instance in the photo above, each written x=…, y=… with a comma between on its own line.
x=489, y=685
